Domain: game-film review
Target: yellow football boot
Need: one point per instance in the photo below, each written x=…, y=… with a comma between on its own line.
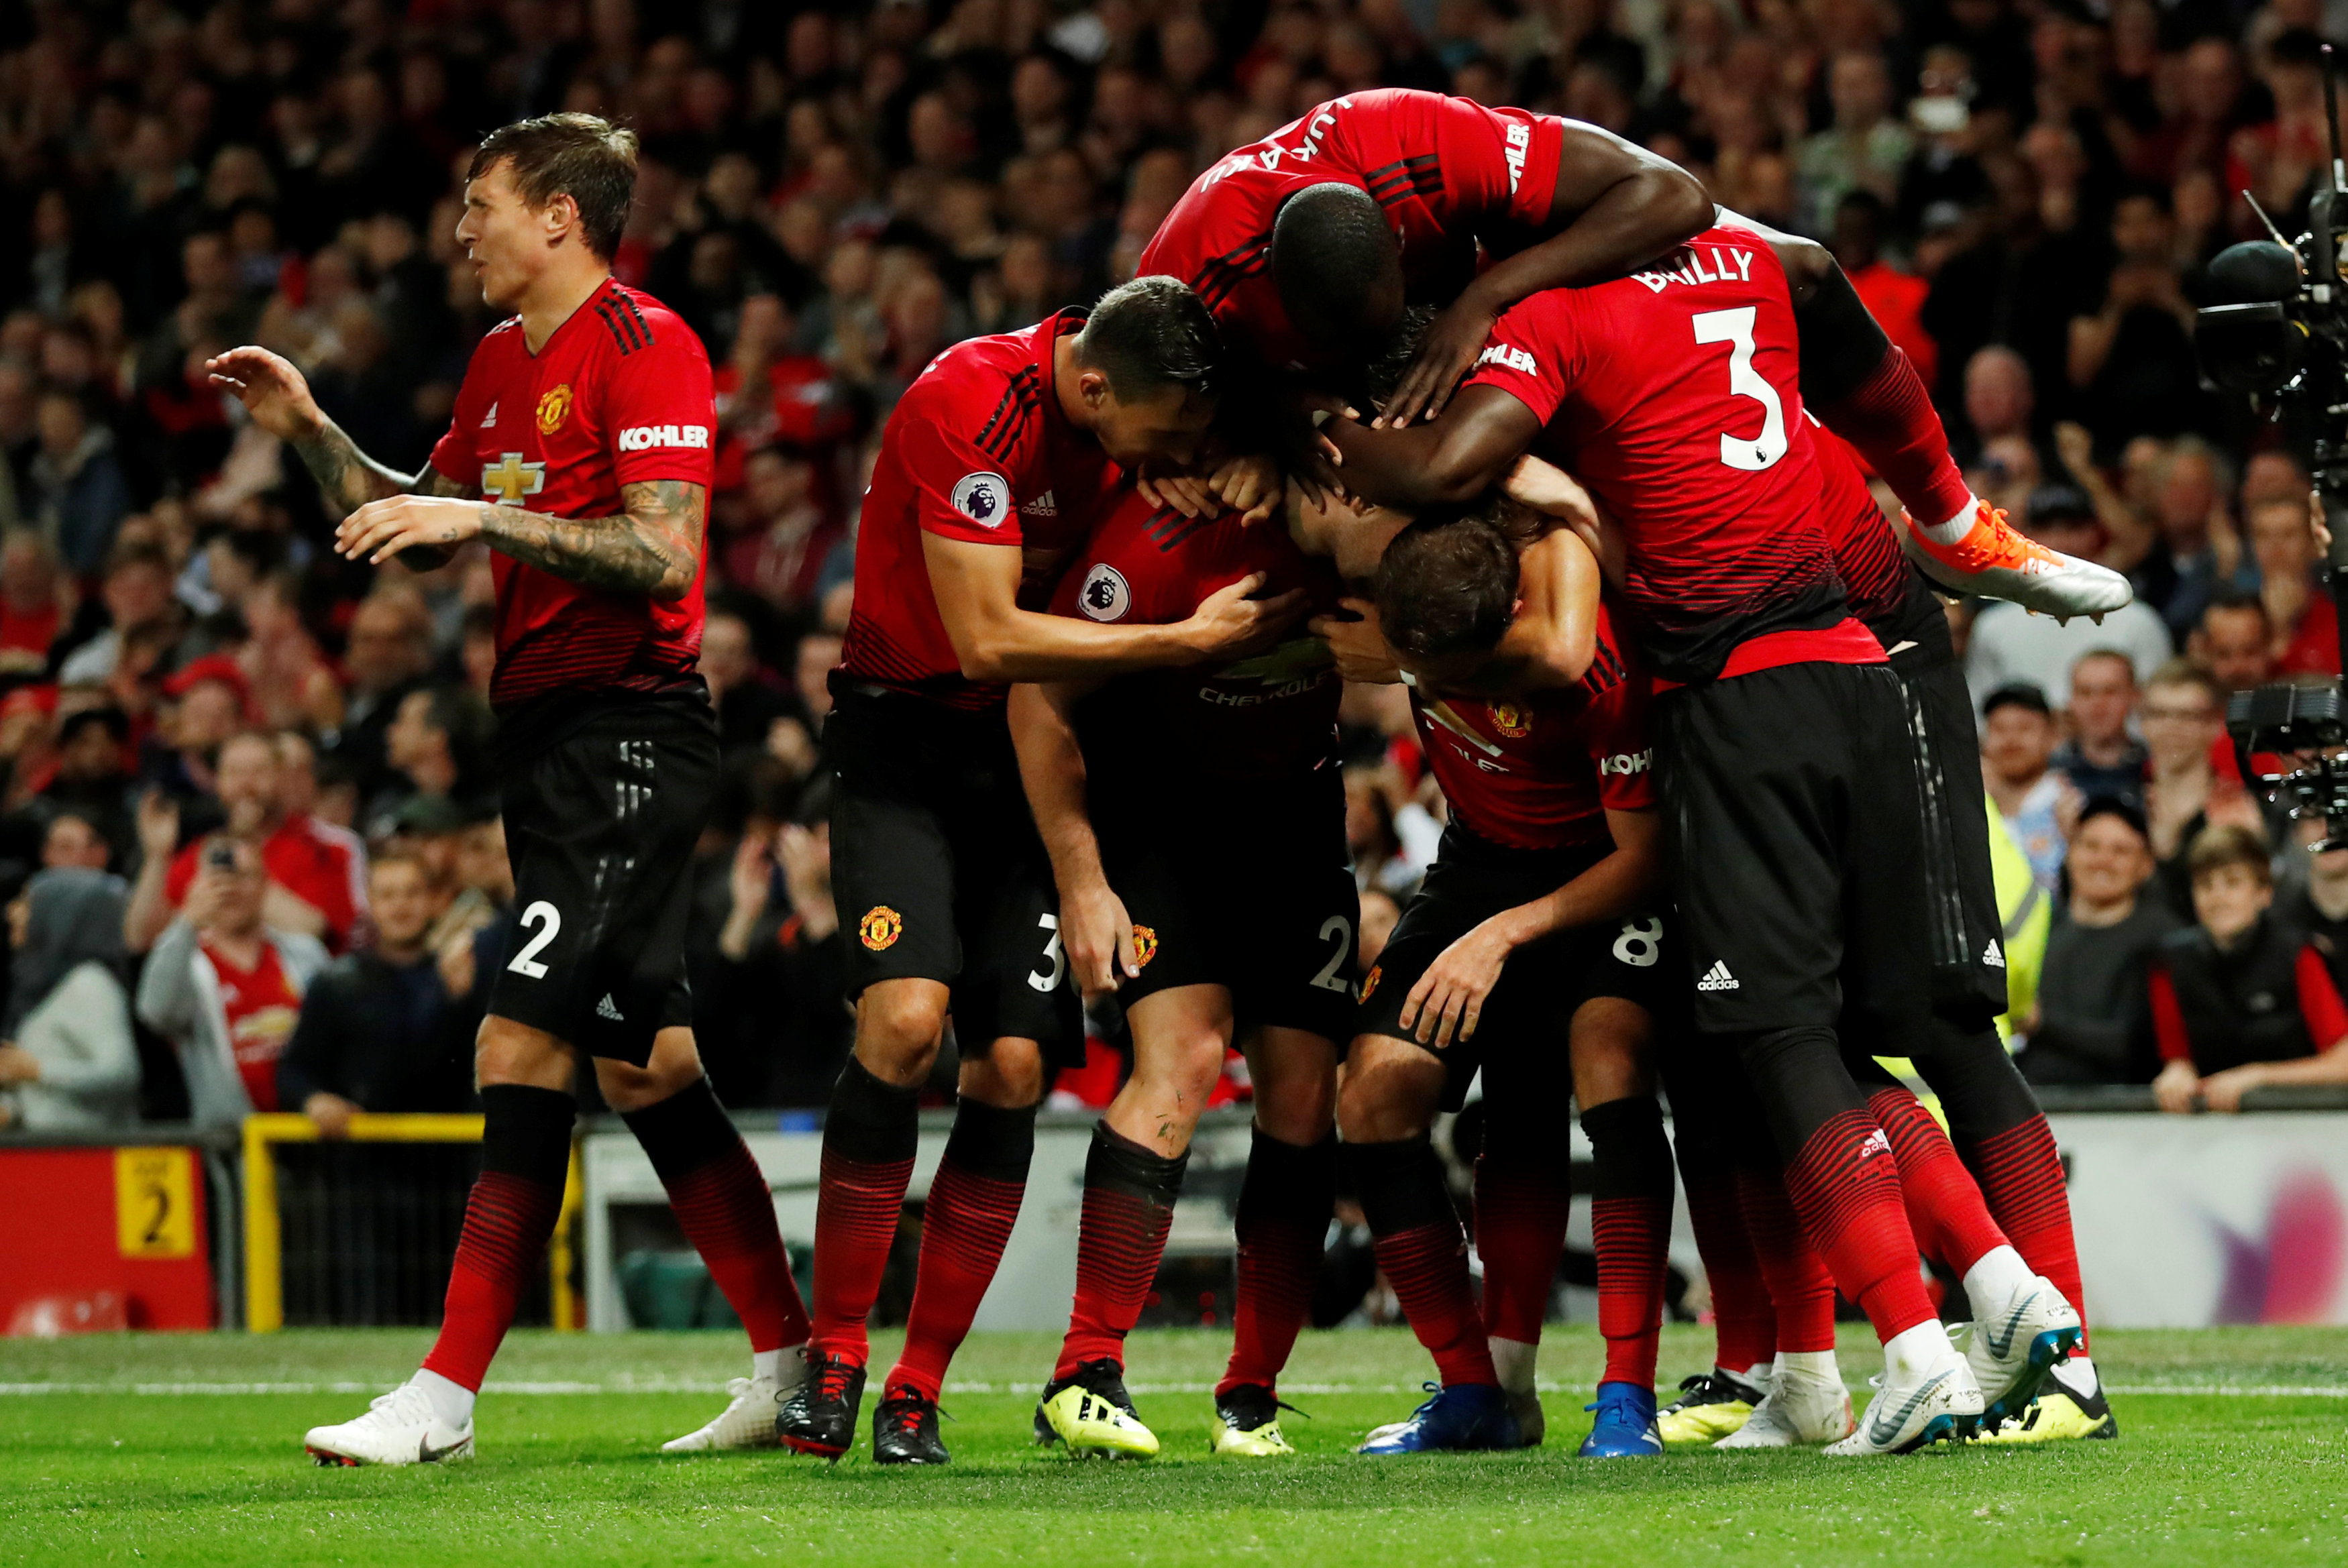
x=1246, y=1425
x=1093, y=1415
x=1711, y=1406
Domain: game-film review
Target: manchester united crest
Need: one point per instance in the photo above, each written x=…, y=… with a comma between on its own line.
x=1145, y=947
x=879, y=928
x=553, y=409
x=1509, y=719
x=1370, y=981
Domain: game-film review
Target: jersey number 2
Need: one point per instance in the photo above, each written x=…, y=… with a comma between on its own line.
x=1736, y=327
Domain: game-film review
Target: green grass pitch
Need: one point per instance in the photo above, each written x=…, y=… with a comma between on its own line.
x=167, y=1448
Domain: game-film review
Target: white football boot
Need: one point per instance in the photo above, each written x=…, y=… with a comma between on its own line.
x=399, y=1427
x=1805, y=1405
x=749, y=1422
x=1978, y=551
x=1931, y=1400
x=2016, y=1342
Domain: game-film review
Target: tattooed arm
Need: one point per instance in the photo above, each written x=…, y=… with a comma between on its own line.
x=653, y=547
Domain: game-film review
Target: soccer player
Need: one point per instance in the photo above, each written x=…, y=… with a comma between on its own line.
x=1196, y=823
x=1533, y=952
x=578, y=449
x=1307, y=244
x=992, y=468
x=1706, y=457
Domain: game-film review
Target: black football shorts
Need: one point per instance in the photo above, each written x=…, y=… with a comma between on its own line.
x=1245, y=885
x=1544, y=983
x=1792, y=822
x=1961, y=924
x=938, y=872
x=601, y=824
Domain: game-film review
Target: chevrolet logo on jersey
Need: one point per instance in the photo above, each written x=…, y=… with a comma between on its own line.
x=509, y=479
x=1295, y=666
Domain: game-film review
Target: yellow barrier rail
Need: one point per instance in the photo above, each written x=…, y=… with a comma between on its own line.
x=264, y=1276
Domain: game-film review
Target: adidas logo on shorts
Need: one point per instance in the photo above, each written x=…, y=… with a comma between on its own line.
x=605, y=1009
x=1718, y=978
x=1991, y=956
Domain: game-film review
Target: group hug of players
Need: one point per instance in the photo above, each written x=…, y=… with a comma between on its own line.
x=1714, y=824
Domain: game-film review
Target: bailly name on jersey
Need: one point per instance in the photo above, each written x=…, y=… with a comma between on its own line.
x=1728, y=264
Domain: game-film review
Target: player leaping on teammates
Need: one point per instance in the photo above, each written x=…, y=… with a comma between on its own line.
x=1730, y=573
x=580, y=450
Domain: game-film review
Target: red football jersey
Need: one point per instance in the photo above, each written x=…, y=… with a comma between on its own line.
x=1449, y=171
x=978, y=449
x=1673, y=394
x=321, y=865
x=620, y=394
x=1877, y=579
x=1269, y=716
x=1541, y=772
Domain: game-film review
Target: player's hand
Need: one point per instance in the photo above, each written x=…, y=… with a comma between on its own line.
x=2176, y=1086
x=1249, y=485
x=1447, y=351
x=1231, y=622
x=1448, y=1001
x=1097, y=936
x=1551, y=491
x=1310, y=458
x=1359, y=646
x=381, y=529
x=272, y=390
x=2224, y=1090
x=1185, y=493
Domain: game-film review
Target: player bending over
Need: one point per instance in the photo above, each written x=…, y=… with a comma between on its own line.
x=1533, y=952
x=994, y=467
x=1196, y=822
x=580, y=450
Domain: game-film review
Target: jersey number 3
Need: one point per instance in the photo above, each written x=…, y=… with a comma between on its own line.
x=1736, y=327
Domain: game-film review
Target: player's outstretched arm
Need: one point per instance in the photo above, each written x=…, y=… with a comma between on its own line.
x=977, y=590
x=1616, y=205
x=1449, y=997
x=1556, y=630
x=1094, y=930
x=274, y=393
x=653, y=547
x=1451, y=461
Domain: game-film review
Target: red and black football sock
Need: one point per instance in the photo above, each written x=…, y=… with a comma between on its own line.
x=973, y=1203
x=1282, y=1222
x=1944, y=1207
x=1129, y=1194
x=1801, y=1291
x=1523, y=1199
x=1423, y=1254
x=725, y=1208
x=869, y=1138
x=2003, y=1138
x=1839, y=1172
x=525, y=1157
x=1631, y=1225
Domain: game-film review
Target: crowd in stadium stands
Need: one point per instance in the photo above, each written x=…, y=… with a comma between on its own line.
x=277, y=766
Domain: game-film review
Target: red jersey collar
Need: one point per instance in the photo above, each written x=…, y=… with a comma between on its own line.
x=610, y=283
x=1048, y=333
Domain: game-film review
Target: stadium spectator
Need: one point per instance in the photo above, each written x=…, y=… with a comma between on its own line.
x=68, y=1062
x=89, y=777
x=72, y=842
x=2236, y=640
x=2318, y=903
x=136, y=598
x=387, y=657
x=79, y=496
x=377, y=1031
x=2304, y=621
x=2101, y=758
x=2093, y=1022
x=438, y=746
x=34, y=602
x=220, y=985
x=2010, y=646
x=779, y=966
x=746, y=693
x=2239, y=1001
x=2198, y=552
x=2184, y=726
x=2036, y=801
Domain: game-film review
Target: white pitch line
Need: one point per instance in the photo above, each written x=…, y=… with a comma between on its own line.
x=691, y=1386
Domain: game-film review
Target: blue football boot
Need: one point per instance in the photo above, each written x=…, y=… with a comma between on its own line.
x=1463, y=1415
x=1626, y=1427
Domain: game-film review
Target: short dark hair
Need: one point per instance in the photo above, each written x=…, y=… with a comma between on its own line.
x=2233, y=597
x=1385, y=372
x=1149, y=334
x=1331, y=248
x=2020, y=694
x=2114, y=806
x=582, y=155
x=2224, y=844
x=1448, y=585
